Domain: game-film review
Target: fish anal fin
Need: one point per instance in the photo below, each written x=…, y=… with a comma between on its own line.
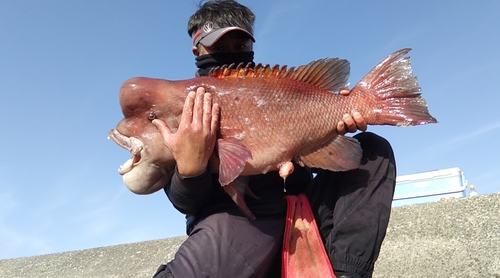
x=232, y=156
x=329, y=74
x=341, y=154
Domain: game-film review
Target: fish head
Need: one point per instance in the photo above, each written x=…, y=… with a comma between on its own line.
x=142, y=100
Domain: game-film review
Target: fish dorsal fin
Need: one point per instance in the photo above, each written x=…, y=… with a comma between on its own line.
x=330, y=74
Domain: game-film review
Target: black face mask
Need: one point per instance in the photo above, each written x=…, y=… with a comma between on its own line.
x=209, y=61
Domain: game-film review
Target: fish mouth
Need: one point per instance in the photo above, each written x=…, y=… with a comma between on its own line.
x=131, y=144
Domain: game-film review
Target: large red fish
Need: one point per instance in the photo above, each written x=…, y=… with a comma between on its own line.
x=269, y=117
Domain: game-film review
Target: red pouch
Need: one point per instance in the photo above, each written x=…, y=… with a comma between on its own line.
x=304, y=254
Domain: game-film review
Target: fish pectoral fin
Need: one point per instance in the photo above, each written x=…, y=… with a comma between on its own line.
x=233, y=156
x=341, y=154
x=235, y=190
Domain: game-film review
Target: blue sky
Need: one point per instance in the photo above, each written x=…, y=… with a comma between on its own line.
x=62, y=63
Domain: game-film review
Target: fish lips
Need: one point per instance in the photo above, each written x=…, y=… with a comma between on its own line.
x=142, y=174
x=131, y=144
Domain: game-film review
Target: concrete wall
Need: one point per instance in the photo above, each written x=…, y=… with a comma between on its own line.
x=459, y=238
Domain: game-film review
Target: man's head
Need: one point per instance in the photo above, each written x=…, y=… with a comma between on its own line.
x=221, y=26
x=222, y=34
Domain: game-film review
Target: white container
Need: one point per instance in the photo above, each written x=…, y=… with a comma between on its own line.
x=430, y=186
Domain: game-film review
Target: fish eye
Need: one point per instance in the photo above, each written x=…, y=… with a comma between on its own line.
x=152, y=116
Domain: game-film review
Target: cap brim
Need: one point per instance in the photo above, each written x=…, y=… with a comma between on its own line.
x=213, y=37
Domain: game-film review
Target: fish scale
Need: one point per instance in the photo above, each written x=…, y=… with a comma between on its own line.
x=280, y=119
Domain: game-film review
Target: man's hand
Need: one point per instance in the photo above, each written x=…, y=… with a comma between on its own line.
x=351, y=123
x=193, y=143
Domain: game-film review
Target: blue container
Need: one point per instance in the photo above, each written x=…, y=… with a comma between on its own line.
x=430, y=186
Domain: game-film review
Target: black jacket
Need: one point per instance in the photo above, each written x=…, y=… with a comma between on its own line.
x=201, y=196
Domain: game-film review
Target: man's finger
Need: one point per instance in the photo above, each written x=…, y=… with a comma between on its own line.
x=360, y=121
x=198, y=106
x=207, y=110
x=350, y=125
x=187, y=111
x=344, y=92
x=215, y=118
x=341, y=128
x=164, y=130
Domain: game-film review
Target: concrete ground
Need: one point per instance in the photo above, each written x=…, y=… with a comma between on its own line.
x=459, y=238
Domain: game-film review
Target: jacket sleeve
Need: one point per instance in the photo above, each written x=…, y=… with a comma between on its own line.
x=190, y=194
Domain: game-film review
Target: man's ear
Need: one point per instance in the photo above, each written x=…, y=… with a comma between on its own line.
x=195, y=51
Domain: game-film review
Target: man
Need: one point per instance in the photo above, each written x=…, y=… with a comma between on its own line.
x=351, y=208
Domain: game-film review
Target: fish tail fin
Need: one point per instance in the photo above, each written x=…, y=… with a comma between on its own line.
x=396, y=93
